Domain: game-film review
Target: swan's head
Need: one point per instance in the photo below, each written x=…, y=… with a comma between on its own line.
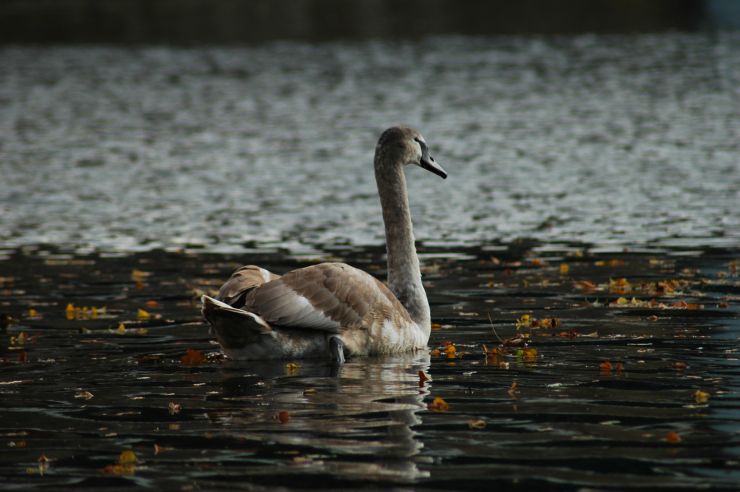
x=406, y=146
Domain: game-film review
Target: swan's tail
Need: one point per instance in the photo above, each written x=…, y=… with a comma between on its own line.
x=234, y=328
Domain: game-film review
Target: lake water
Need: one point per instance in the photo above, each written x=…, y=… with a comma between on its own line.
x=611, y=140
x=594, y=187
x=81, y=391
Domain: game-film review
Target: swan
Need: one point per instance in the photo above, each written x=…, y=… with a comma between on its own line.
x=334, y=310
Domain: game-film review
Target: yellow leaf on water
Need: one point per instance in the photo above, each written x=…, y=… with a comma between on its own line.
x=143, y=315
x=127, y=457
x=291, y=368
x=564, y=268
x=121, y=329
x=701, y=397
x=525, y=321
x=70, y=311
x=477, y=424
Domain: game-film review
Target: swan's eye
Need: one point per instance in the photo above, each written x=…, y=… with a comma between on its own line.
x=421, y=143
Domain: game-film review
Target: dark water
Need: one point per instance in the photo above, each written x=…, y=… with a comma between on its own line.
x=82, y=391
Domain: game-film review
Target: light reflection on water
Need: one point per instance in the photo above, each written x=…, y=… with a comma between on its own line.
x=609, y=139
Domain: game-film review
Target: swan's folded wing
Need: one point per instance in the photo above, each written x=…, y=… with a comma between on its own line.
x=327, y=297
x=241, y=282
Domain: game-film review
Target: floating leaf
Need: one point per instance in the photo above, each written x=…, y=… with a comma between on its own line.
x=174, y=408
x=192, y=357
x=85, y=395
x=127, y=457
x=282, y=416
x=584, y=285
x=439, y=405
x=70, y=311
x=121, y=329
x=680, y=366
x=435, y=353
x=126, y=465
x=673, y=437
x=152, y=304
x=701, y=397
x=142, y=314
x=477, y=424
x=564, y=268
x=524, y=321
x=605, y=367
x=291, y=368
x=527, y=354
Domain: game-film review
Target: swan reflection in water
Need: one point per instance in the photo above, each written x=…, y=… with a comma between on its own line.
x=354, y=421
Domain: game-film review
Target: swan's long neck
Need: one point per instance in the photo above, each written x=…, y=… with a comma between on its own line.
x=404, y=275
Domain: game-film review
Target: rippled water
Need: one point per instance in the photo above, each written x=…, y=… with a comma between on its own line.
x=81, y=391
x=606, y=139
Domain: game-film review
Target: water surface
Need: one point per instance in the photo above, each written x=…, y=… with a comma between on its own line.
x=609, y=139
x=81, y=391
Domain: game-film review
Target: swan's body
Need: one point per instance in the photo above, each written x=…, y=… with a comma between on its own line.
x=333, y=309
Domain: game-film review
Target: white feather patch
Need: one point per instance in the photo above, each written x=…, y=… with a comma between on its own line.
x=309, y=317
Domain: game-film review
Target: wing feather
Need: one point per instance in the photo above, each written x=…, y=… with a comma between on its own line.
x=328, y=296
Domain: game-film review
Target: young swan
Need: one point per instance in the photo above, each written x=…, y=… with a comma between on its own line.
x=332, y=309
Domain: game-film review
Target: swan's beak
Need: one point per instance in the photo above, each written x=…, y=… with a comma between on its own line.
x=427, y=162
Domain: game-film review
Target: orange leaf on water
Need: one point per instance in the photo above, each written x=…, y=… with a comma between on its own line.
x=192, y=357
x=439, y=405
x=585, y=285
x=435, y=353
x=606, y=367
x=673, y=437
x=151, y=304
x=282, y=416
